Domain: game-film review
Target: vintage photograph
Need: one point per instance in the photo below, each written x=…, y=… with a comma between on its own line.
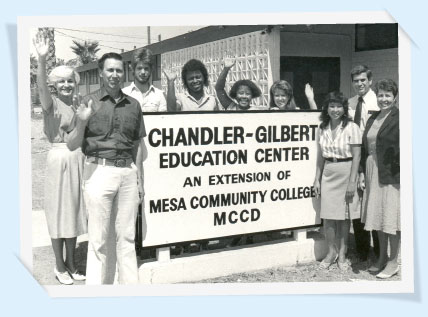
x=216, y=155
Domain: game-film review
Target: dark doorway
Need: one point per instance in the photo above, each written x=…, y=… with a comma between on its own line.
x=322, y=73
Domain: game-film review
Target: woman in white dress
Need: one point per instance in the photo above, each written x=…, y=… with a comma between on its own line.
x=64, y=210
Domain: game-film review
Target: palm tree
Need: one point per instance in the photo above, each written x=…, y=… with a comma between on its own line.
x=85, y=51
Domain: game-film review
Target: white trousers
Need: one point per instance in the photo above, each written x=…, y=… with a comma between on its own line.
x=111, y=198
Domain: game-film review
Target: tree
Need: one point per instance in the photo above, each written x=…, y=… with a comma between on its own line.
x=33, y=70
x=51, y=58
x=85, y=51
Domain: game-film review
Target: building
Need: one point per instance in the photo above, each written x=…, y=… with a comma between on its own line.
x=319, y=54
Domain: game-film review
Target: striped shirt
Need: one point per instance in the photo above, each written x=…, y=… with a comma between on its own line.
x=340, y=146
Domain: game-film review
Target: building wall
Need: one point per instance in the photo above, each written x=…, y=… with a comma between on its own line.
x=252, y=62
x=320, y=45
x=383, y=63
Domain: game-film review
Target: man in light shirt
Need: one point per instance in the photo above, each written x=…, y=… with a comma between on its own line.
x=150, y=98
x=360, y=108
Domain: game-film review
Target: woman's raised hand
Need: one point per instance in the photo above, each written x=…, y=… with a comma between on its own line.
x=84, y=112
x=309, y=92
x=229, y=61
x=170, y=75
x=41, y=43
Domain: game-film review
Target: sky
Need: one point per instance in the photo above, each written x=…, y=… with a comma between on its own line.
x=111, y=39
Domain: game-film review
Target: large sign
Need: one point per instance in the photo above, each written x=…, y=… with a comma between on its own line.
x=219, y=174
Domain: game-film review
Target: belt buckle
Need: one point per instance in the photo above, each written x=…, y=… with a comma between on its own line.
x=334, y=159
x=120, y=162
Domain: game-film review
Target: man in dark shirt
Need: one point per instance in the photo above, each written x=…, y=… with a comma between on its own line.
x=110, y=130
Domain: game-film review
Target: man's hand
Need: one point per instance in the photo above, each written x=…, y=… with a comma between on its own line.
x=83, y=112
x=141, y=190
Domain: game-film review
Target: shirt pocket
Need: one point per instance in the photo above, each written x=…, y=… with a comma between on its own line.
x=99, y=124
x=129, y=125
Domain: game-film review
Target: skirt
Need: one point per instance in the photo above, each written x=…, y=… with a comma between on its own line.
x=334, y=182
x=381, y=203
x=64, y=208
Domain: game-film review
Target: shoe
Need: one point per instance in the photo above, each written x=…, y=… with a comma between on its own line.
x=375, y=269
x=343, y=266
x=63, y=277
x=325, y=264
x=384, y=275
x=76, y=275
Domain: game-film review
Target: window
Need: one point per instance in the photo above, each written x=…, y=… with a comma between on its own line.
x=376, y=36
x=130, y=72
x=82, y=76
x=157, y=70
x=93, y=76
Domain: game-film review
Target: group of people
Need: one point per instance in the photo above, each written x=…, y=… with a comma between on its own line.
x=95, y=176
x=358, y=173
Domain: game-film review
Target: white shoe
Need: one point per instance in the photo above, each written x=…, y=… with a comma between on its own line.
x=63, y=277
x=76, y=275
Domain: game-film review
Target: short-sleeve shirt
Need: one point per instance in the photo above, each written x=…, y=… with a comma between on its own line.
x=368, y=107
x=186, y=102
x=114, y=127
x=235, y=107
x=57, y=121
x=153, y=100
x=340, y=146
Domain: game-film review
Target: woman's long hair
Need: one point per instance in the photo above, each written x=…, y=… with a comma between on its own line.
x=339, y=98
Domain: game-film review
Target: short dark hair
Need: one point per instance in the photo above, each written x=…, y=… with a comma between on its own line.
x=143, y=55
x=288, y=89
x=255, y=91
x=192, y=66
x=339, y=98
x=113, y=55
x=387, y=85
x=359, y=69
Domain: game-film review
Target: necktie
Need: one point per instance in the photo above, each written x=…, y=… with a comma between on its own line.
x=357, y=116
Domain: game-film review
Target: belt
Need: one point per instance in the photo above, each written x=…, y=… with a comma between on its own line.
x=121, y=162
x=336, y=160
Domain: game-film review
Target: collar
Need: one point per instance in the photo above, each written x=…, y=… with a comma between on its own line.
x=104, y=94
x=204, y=98
x=134, y=87
x=369, y=94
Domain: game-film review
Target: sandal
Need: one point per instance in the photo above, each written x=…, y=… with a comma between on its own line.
x=325, y=264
